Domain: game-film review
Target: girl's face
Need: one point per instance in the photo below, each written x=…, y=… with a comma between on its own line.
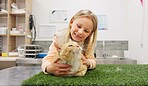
x=81, y=28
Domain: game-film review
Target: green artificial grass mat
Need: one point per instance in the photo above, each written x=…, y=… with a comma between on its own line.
x=102, y=75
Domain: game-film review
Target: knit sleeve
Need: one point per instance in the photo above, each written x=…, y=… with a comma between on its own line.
x=54, y=49
x=51, y=56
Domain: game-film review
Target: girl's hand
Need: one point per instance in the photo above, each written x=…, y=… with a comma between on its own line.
x=58, y=69
x=85, y=61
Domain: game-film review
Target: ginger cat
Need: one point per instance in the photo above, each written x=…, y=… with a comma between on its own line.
x=71, y=54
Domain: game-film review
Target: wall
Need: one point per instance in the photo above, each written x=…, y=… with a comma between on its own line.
x=116, y=10
x=137, y=26
x=125, y=21
x=144, y=54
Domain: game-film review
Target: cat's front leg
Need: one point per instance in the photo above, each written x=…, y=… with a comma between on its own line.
x=82, y=71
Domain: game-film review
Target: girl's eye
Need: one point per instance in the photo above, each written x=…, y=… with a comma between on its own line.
x=78, y=26
x=86, y=31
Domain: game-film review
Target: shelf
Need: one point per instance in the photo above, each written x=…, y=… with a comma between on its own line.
x=18, y=14
x=3, y=14
x=35, y=50
x=18, y=19
x=17, y=34
x=3, y=34
x=33, y=54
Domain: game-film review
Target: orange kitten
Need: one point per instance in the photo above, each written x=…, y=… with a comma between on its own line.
x=71, y=54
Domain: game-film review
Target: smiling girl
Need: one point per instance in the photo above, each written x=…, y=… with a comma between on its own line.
x=83, y=30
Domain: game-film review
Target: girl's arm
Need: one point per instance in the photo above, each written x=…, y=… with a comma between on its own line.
x=50, y=62
x=51, y=56
x=90, y=62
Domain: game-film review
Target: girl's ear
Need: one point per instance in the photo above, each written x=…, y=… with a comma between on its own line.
x=71, y=21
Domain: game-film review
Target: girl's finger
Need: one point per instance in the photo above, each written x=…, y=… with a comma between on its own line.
x=83, y=57
x=64, y=69
x=56, y=60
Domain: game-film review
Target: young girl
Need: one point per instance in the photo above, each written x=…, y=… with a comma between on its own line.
x=83, y=30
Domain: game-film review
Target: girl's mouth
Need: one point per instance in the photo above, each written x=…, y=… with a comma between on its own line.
x=77, y=36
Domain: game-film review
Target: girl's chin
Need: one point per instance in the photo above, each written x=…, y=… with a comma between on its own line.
x=77, y=40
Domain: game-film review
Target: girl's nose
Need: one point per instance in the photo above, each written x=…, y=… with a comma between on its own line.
x=80, y=31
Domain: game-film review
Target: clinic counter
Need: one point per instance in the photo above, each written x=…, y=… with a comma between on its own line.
x=15, y=75
x=6, y=62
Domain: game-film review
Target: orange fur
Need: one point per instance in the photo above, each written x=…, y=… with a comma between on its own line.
x=71, y=54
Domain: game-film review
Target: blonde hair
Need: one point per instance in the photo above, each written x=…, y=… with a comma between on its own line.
x=90, y=41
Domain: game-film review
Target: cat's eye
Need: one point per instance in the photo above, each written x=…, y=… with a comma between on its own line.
x=69, y=45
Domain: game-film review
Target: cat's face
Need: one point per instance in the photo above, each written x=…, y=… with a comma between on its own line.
x=70, y=49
